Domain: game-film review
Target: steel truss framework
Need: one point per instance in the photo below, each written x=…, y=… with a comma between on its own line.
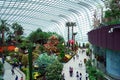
x=51, y=15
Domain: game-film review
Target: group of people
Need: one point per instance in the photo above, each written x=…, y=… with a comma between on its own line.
x=80, y=64
x=13, y=73
x=17, y=64
x=79, y=77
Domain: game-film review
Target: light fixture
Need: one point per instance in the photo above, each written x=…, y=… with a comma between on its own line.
x=112, y=29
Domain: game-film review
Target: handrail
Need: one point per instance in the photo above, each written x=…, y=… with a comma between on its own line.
x=22, y=74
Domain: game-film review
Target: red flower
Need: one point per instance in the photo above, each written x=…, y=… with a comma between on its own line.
x=9, y=48
x=71, y=41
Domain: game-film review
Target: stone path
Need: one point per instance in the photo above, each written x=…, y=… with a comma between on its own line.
x=72, y=63
x=8, y=74
x=75, y=64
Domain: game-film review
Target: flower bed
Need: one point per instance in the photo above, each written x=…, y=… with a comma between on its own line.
x=9, y=48
x=66, y=58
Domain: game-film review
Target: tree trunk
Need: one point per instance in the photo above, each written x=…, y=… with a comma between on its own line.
x=68, y=36
x=72, y=37
x=72, y=32
x=3, y=37
x=16, y=40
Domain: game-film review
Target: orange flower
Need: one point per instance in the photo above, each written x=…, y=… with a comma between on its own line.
x=9, y=48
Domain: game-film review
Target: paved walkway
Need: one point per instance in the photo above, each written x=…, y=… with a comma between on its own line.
x=72, y=63
x=8, y=74
x=75, y=64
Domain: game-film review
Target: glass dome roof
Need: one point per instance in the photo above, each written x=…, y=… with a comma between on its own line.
x=52, y=15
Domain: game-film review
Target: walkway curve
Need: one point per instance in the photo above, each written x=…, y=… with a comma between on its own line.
x=8, y=74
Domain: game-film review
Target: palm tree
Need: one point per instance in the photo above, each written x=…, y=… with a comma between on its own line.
x=73, y=24
x=3, y=29
x=18, y=30
x=38, y=30
x=9, y=36
x=68, y=24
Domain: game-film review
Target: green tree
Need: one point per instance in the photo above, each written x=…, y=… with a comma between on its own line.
x=44, y=60
x=37, y=35
x=87, y=45
x=33, y=37
x=25, y=60
x=38, y=30
x=41, y=37
x=9, y=36
x=1, y=68
x=24, y=44
x=112, y=15
x=94, y=73
x=54, y=70
x=61, y=48
x=60, y=38
x=3, y=29
x=18, y=30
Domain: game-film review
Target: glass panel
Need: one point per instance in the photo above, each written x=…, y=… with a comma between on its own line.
x=39, y=13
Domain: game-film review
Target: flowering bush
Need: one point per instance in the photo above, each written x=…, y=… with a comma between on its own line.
x=9, y=48
x=52, y=43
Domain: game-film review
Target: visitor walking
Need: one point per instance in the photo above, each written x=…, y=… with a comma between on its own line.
x=3, y=59
x=63, y=76
x=16, y=78
x=80, y=64
x=77, y=56
x=83, y=51
x=86, y=75
x=21, y=78
x=20, y=65
x=80, y=76
x=12, y=70
x=71, y=71
x=77, y=75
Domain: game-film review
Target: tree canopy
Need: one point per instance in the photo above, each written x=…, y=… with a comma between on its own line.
x=53, y=71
